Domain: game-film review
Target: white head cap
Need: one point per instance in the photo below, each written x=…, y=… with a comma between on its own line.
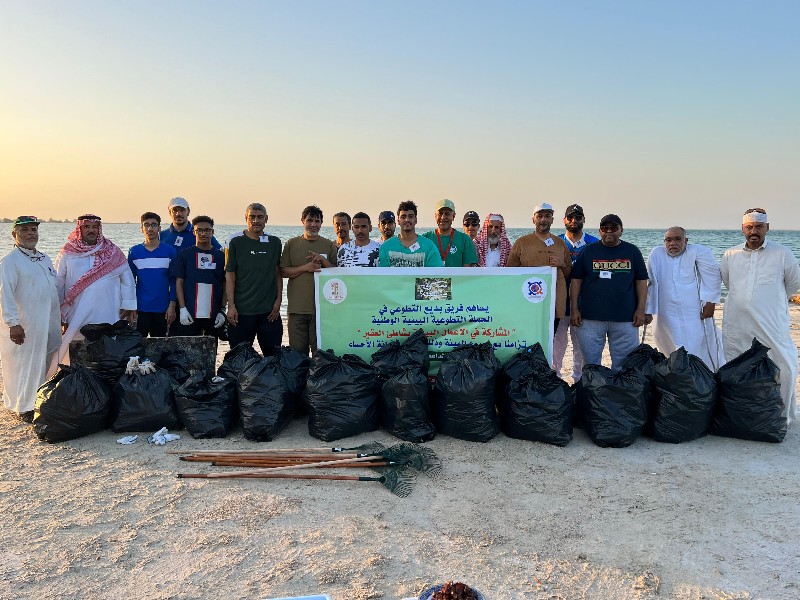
x=178, y=201
x=754, y=217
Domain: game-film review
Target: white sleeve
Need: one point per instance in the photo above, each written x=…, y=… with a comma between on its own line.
x=128, y=289
x=61, y=277
x=723, y=270
x=652, y=286
x=709, y=274
x=791, y=274
x=8, y=285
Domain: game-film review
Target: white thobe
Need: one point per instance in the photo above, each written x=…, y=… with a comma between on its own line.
x=28, y=297
x=493, y=257
x=759, y=284
x=98, y=303
x=677, y=290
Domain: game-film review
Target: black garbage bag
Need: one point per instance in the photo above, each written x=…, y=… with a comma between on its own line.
x=109, y=347
x=269, y=392
x=523, y=365
x=539, y=409
x=685, y=393
x=207, y=407
x=463, y=396
x=235, y=359
x=480, y=352
x=405, y=407
x=644, y=359
x=749, y=404
x=396, y=356
x=177, y=365
x=144, y=402
x=341, y=394
x=612, y=404
x=71, y=404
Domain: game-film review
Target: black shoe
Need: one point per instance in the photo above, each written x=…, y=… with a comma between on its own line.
x=26, y=417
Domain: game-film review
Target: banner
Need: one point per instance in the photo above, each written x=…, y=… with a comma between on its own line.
x=359, y=310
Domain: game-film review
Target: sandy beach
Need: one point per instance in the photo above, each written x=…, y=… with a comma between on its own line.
x=716, y=518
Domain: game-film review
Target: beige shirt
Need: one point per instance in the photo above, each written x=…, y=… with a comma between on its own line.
x=530, y=251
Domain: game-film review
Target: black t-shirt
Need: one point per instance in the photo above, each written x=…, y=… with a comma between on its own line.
x=608, y=291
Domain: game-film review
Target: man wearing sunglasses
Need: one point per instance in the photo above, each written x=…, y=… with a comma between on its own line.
x=575, y=238
x=472, y=224
x=608, y=295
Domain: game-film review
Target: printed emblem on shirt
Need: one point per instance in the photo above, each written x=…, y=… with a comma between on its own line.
x=205, y=261
x=619, y=265
x=178, y=241
x=401, y=259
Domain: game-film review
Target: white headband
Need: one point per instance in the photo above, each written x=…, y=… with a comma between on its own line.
x=496, y=218
x=754, y=217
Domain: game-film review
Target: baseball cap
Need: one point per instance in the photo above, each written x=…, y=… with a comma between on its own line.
x=26, y=220
x=471, y=215
x=445, y=203
x=542, y=206
x=178, y=201
x=386, y=215
x=572, y=209
x=611, y=218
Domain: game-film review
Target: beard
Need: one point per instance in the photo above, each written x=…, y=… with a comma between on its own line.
x=493, y=239
x=574, y=228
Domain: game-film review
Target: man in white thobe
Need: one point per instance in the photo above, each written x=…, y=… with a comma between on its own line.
x=29, y=318
x=760, y=277
x=94, y=281
x=683, y=291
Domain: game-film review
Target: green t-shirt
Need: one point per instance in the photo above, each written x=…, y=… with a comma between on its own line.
x=300, y=291
x=461, y=249
x=255, y=263
x=422, y=253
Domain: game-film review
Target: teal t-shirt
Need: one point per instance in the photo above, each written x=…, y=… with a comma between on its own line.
x=459, y=248
x=422, y=253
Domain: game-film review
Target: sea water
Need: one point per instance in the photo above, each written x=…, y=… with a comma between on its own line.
x=52, y=237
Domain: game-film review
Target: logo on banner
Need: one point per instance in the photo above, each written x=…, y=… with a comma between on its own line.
x=334, y=291
x=534, y=290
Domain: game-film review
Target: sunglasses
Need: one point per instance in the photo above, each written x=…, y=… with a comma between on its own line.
x=609, y=228
x=471, y=223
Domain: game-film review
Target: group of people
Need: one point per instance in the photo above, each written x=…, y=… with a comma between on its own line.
x=182, y=281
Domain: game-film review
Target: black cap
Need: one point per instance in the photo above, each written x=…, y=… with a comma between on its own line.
x=26, y=220
x=386, y=215
x=471, y=215
x=611, y=218
x=572, y=209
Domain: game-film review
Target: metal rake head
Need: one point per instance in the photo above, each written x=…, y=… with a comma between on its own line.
x=399, y=481
x=417, y=457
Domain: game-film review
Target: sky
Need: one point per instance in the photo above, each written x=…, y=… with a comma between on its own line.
x=665, y=113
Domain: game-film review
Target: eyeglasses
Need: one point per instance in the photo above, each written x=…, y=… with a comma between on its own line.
x=202, y=230
x=609, y=228
x=472, y=223
x=151, y=225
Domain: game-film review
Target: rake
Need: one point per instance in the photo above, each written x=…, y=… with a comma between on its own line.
x=399, y=481
x=369, y=448
x=419, y=459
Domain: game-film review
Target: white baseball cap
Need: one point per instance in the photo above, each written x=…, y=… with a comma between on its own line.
x=542, y=206
x=178, y=201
